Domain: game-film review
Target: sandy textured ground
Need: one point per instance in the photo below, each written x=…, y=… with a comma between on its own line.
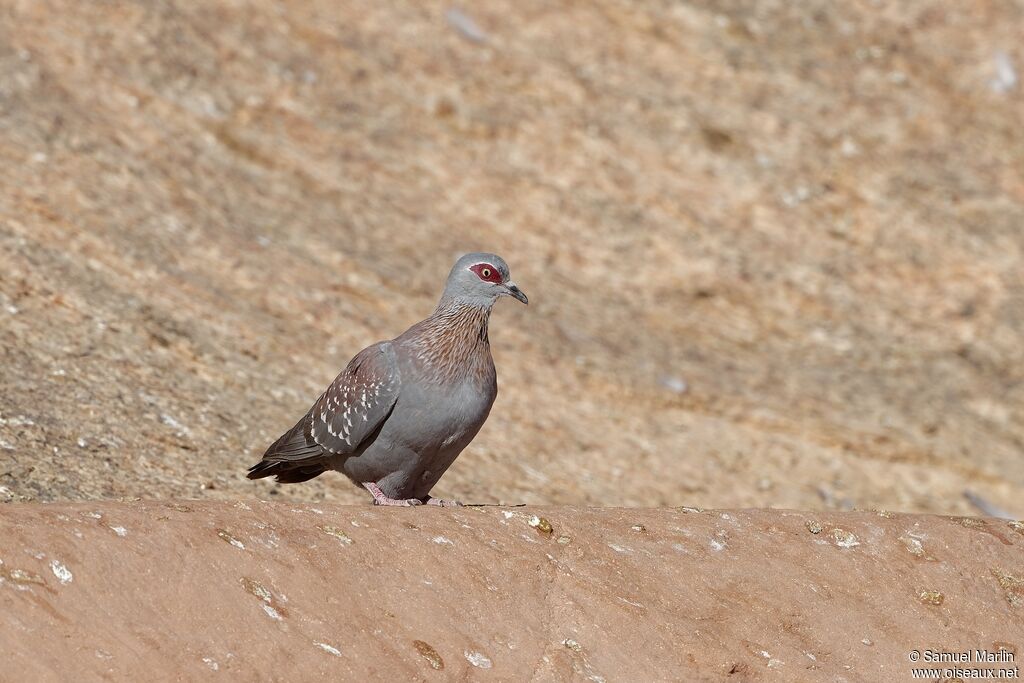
x=773, y=250
x=292, y=591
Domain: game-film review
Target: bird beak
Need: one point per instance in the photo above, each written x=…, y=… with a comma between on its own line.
x=515, y=292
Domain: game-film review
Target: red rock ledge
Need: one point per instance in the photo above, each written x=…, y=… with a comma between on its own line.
x=279, y=591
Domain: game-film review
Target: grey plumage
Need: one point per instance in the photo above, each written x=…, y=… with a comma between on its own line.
x=402, y=410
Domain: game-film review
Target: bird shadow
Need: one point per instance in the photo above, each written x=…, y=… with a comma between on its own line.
x=494, y=505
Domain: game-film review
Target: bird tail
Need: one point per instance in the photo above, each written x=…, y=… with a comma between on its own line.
x=285, y=472
x=293, y=458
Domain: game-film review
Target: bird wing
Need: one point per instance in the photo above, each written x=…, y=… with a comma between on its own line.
x=358, y=401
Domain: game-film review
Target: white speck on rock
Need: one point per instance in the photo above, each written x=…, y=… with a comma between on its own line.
x=330, y=649
x=62, y=573
x=170, y=421
x=261, y=592
x=270, y=541
x=478, y=659
x=119, y=530
x=230, y=539
x=913, y=544
x=849, y=148
x=441, y=540
x=464, y=24
x=845, y=539
x=677, y=385
x=798, y=195
x=508, y=514
x=212, y=663
x=271, y=612
x=620, y=548
x=1006, y=75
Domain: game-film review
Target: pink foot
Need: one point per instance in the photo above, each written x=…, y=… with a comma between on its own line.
x=380, y=499
x=440, y=502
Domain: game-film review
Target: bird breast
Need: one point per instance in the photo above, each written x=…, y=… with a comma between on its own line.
x=440, y=417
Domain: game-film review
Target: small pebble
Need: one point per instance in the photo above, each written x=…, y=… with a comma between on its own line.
x=844, y=539
x=541, y=524
x=430, y=654
x=477, y=659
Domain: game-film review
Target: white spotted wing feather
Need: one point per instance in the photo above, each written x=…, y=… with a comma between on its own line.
x=357, y=402
x=342, y=420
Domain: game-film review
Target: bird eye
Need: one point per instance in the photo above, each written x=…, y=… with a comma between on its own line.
x=487, y=272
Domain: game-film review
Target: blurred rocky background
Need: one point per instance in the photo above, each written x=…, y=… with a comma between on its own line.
x=774, y=250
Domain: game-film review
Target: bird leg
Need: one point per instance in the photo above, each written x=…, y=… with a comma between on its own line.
x=380, y=499
x=440, y=502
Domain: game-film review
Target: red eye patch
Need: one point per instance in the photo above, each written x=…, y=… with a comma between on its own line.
x=487, y=272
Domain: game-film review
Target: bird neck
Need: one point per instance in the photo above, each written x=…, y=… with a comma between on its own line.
x=461, y=321
x=453, y=343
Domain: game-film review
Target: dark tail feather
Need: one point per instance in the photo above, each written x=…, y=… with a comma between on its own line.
x=295, y=444
x=286, y=473
x=292, y=458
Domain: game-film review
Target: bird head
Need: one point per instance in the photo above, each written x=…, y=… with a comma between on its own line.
x=480, y=279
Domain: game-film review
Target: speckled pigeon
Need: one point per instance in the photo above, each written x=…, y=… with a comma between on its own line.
x=402, y=410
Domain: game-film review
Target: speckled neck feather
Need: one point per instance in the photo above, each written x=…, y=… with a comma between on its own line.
x=453, y=341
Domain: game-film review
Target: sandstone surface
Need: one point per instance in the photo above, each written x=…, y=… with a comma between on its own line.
x=253, y=590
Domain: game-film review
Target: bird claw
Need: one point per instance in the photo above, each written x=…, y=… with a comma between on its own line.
x=398, y=502
x=379, y=498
